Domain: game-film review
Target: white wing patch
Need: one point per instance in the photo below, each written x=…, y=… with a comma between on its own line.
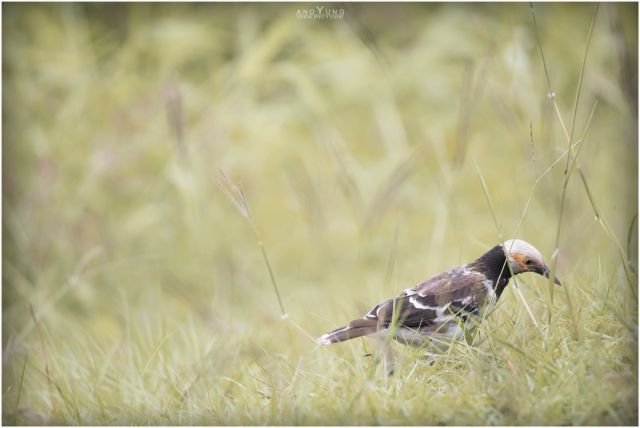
x=414, y=301
x=443, y=314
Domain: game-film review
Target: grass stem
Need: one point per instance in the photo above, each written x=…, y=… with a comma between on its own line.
x=236, y=195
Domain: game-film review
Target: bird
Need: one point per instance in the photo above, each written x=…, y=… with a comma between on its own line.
x=441, y=308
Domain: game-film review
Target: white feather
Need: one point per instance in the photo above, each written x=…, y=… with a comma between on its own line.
x=414, y=301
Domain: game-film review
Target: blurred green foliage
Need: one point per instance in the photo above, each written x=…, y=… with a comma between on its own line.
x=135, y=292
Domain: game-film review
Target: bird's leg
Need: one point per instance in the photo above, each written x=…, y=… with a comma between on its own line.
x=387, y=352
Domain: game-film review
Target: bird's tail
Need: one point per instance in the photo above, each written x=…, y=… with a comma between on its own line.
x=356, y=328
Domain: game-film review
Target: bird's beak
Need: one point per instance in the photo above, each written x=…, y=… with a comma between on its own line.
x=546, y=272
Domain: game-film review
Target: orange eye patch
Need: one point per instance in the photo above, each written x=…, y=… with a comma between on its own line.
x=519, y=258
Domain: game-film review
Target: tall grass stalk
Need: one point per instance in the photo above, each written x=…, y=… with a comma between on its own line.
x=568, y=166
x=236, y=195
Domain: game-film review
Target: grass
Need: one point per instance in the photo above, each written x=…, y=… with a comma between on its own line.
x=359, y=156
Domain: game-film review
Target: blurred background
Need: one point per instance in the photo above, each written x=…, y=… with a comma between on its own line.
x=359, y=139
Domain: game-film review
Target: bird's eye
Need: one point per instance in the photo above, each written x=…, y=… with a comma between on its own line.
x=528, y=262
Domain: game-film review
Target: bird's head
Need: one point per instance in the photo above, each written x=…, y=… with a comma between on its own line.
x=524, y=257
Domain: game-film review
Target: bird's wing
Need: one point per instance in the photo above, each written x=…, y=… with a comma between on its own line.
x=458, y=292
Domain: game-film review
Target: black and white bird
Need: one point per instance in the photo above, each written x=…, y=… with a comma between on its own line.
x=440, y=309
